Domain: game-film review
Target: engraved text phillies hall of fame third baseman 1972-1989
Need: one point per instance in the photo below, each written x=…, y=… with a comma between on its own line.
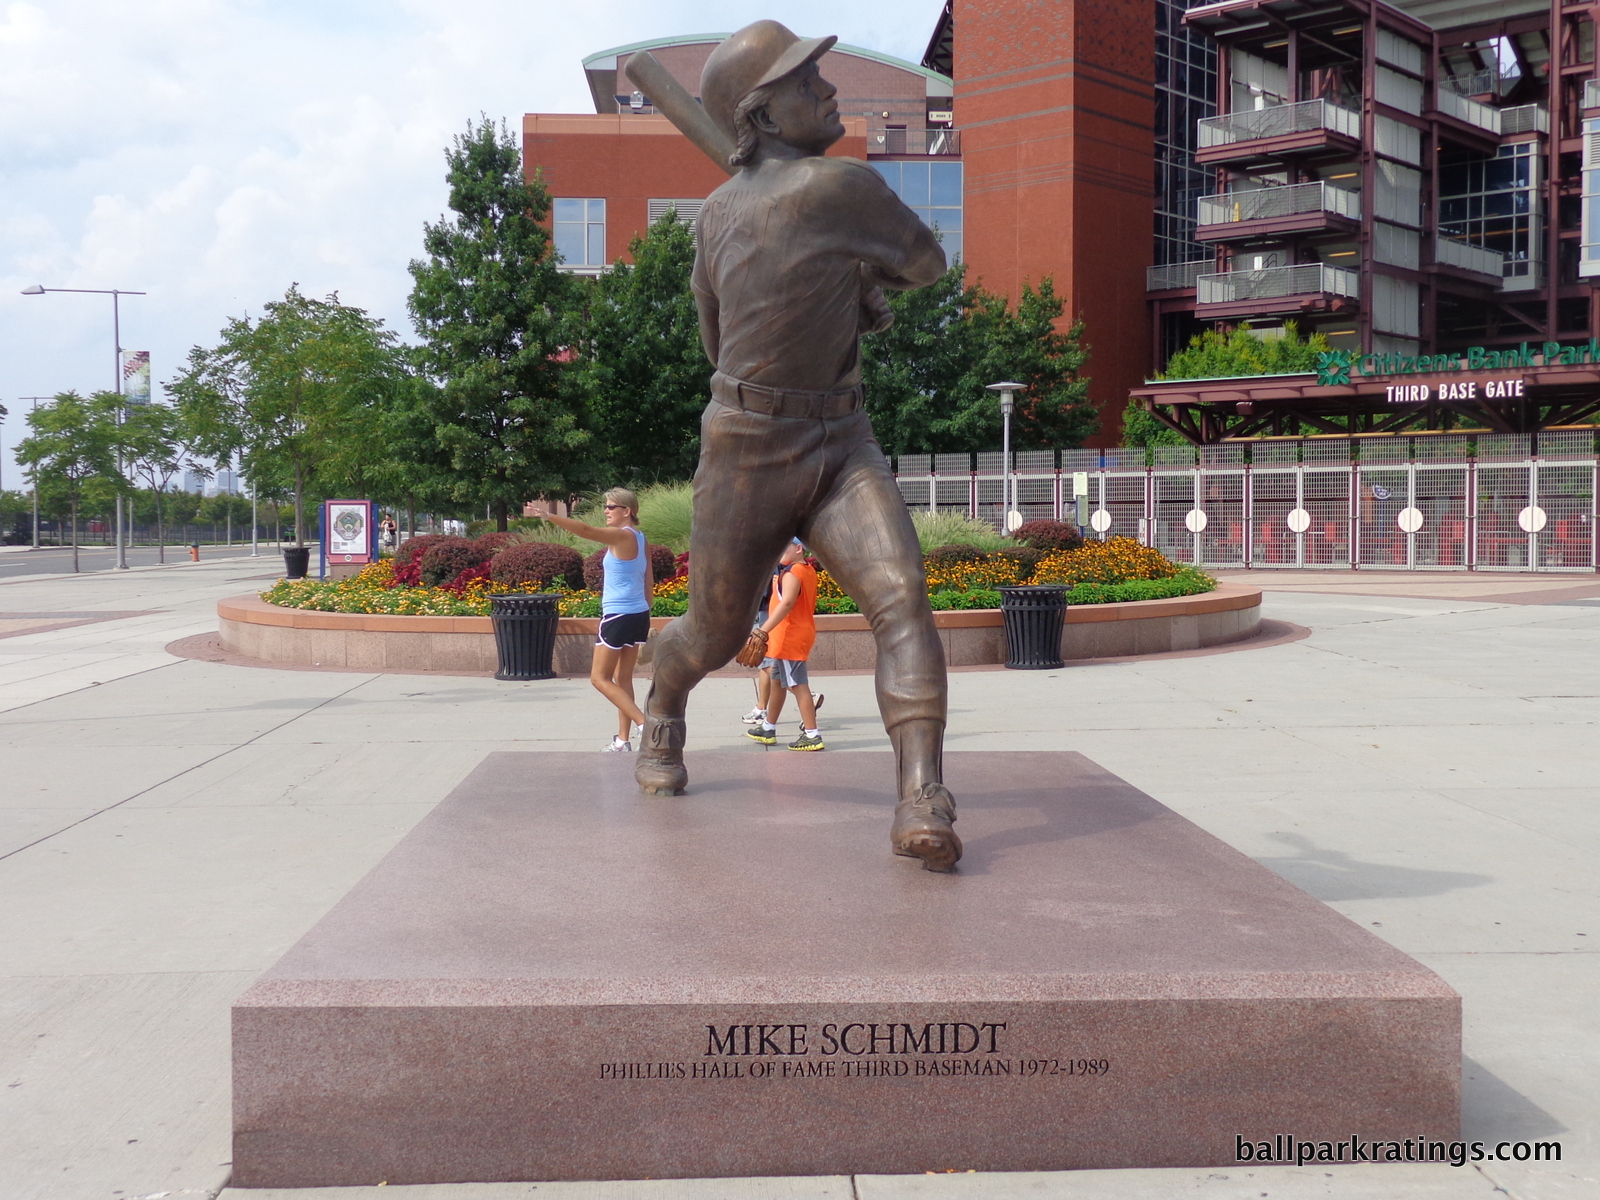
x=857, y=1049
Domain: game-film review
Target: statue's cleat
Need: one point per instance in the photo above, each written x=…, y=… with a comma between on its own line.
x=659, y=769
x=922, y=828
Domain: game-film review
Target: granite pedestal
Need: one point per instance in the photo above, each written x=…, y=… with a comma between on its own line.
x=553, y=977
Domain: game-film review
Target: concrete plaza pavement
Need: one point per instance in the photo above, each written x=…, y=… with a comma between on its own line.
x=168, y=827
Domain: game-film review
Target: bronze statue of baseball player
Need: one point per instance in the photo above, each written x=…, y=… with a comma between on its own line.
x=792, y=252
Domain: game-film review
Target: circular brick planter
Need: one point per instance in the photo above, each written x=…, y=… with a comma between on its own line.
x=255, y=629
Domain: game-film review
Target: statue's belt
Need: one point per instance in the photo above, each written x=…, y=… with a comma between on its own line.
x=785, y=402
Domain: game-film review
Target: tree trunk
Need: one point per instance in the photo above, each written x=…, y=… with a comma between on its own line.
x=500, y=516
x=161, y=533
x=74, y=532
x=411, y=516
x=299, y=509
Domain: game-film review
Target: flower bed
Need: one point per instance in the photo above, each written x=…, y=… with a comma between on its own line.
x=1113, y=571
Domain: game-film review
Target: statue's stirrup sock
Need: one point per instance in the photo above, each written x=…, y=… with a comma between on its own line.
x=922, y=828
x=659, y=769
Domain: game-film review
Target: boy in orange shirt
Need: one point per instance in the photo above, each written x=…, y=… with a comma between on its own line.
x=792, y=630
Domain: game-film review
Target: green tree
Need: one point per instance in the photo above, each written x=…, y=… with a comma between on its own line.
x=1140, y=428
x=643, y=370
x=154, y=447
x=912, y=370
x=1025, y=344
x=495, y=315
x=16, y=517
x=297, y=397
x=1224, y=354
x=73, y=443
x=927, y=373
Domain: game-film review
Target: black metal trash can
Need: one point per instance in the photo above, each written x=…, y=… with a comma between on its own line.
x=1033, y=618
x=525, y=635
x=296, y=562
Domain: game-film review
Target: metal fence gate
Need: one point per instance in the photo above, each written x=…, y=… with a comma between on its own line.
x=1434, y=502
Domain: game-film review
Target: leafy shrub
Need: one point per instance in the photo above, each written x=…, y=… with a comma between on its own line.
x=1024, y=558
x=407, y=565
x=949, y=528
x=537, y=564
x=663, y=562
x=490, y=544
x=1048, y=535
x=447, y=558
x=975, y=598
x=1187, y=581
x=958, y=552
x=663, y=566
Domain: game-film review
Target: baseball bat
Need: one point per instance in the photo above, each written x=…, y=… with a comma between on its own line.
x=683, y=110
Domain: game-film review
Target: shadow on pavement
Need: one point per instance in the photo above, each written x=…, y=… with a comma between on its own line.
x=1331, y=875
x=1494, y=1111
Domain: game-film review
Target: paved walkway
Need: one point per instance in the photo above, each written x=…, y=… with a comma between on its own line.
x=168, y=827
x=17, y=562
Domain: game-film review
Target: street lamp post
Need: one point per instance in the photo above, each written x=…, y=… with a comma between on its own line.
x=116, y=295
x=1011, y=518
x=33, y=475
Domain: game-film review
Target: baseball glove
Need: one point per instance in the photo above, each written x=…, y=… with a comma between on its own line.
x=754, y=649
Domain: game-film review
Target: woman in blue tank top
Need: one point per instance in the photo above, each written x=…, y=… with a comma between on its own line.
x=624, y=606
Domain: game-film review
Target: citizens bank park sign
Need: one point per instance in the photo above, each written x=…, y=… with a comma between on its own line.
x=1342, y=368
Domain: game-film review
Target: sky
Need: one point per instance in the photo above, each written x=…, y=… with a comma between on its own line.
x=212, y=152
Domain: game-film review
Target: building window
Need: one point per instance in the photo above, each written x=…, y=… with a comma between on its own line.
x=1493, y=202
x=932, y=190
x=1186, y=91
x=580, y=227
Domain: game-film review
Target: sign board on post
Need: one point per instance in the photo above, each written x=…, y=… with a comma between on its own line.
x=347, y=532
x=136, y=377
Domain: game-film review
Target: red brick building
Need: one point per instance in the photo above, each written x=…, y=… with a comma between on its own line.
x=616, y=170
x=1056, y=109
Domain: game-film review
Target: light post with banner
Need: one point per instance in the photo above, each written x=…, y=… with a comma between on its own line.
x=116, y=295
x=1011, y=520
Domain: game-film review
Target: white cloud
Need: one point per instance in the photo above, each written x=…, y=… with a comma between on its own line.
x=211, y=152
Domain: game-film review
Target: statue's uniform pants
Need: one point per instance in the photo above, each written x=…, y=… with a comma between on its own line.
x=765, y=477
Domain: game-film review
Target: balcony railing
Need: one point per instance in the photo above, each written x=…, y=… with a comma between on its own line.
x=1261, y=204
x=1453, y=104
x=1278, y=120
x=939, y=142
x=1524, y=118
x=1273, y=283
x=1468, y=257
x=1176, y=275
x=1479, y=83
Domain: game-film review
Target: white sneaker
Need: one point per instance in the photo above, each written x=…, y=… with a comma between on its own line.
x=618, y=746
x=754, y=717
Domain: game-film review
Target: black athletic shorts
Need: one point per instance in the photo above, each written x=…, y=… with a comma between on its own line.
x=621, y=630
